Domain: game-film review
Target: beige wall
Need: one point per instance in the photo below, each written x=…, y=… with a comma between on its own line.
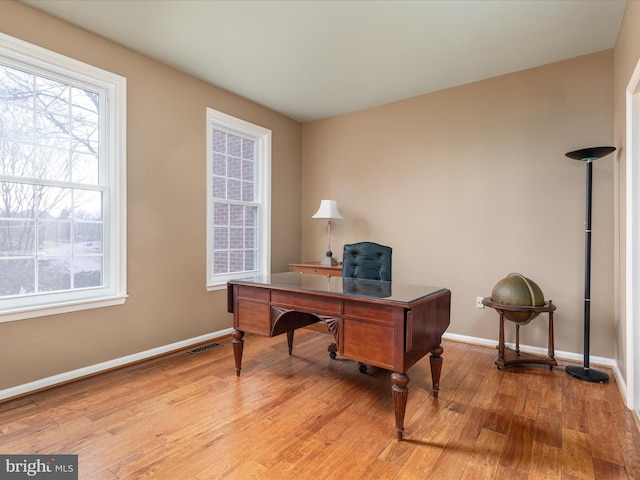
x=472, y=183
x=626, y=57
x=166, y=212
x=467, y=185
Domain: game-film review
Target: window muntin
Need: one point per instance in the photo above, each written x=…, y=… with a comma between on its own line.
x=62, y=183
x=238, y=159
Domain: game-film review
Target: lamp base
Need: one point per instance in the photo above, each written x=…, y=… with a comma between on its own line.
x=329, y=261
x=587, y=374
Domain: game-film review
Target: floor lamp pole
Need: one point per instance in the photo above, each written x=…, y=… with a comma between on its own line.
x=588, y=155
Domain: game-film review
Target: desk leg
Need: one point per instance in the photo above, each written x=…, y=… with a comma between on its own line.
x=290, y=341
x=238, y=343
x=399, y=392
x=436, y=368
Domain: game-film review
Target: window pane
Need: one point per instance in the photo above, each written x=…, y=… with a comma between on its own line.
x=219, y=187
x=250, y=238
x=16, y=158
x=17, y=200
x=234, y=168
x=87, y=239
x=247, y=191
x=221, y=238
x=17, y=238
x=53, y=202
x=236, y=215
x=17, y=121
x=52, y=164
x=85, y=105
x=85, y=168
x=251, y=217
x=87, y=272
x=219, y=164
x=220, y=214
x=234, y=145
x=248, y=149
x=250, y=260
x=234, y=189
x=17, y=276
x=87, y=205
x=85, y=121
x=84, y=136
x=54, y=274
x=219, y=141
x=221, y=262
x=236, y=237
x=51, y=130
x=54, y=238
x=16, y=86
x=248, y=173
x=236, y=261
x=52, y=96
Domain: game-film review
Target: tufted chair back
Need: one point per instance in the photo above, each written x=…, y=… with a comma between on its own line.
x=367, y=260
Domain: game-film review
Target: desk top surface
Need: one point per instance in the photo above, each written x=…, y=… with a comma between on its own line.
x=356, y=287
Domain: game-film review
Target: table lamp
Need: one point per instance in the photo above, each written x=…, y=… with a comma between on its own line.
x=329, y=211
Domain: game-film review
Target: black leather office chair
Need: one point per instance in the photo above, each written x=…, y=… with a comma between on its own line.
x=368, y=261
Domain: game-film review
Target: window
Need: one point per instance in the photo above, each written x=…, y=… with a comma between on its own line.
x=62, y=183
x=238, y=192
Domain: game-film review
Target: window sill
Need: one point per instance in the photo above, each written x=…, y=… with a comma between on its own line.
x=71, y=306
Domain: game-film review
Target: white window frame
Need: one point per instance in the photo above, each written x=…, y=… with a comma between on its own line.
x=22, y=55
x=262, y=137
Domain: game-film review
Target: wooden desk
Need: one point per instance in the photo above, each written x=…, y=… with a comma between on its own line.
x=316, y=268
x=387, y=325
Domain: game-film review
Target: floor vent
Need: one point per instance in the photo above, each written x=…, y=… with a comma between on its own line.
x=203, y=348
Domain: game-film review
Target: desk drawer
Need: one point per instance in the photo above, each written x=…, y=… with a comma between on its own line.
x=316, y=269
x=368, y=343
x=373, y=313
x=307, y=303
x=254, y=293
x=253, y=317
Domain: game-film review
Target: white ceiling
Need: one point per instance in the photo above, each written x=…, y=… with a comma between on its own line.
x=312, y=59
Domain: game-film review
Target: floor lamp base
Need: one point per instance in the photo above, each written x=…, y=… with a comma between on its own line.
x=587, y=374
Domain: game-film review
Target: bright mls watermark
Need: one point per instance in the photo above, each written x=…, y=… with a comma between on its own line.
x=50, y=467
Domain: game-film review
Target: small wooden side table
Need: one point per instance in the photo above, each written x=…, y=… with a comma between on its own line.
x=316, y=268
x=508, y=357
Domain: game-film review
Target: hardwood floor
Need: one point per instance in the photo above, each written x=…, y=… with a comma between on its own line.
x=187, y=417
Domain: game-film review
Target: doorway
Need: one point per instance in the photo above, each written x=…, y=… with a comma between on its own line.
x=633, y=242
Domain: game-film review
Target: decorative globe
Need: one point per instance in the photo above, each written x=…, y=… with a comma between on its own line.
x=518, y=290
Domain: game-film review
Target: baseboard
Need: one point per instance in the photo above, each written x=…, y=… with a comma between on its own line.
x=66, y=377
x=560, y=355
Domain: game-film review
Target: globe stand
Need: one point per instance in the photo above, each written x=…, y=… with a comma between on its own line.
x=588, y=155
x=509, y=358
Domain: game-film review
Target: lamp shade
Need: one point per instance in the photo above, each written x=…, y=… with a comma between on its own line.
x=590, y=154
x=328, y=209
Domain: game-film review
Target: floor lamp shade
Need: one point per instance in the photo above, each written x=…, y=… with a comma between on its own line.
x=329, y=211
x=588, y=155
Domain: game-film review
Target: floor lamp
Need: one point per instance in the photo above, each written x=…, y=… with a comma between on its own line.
x=588, y=155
